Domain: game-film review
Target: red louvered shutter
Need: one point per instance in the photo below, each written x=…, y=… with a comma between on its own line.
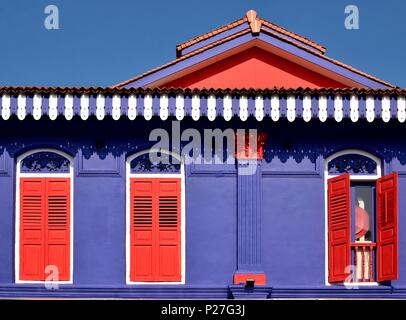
x=32, y=225
x=57, y=239
x=387, y=227
x=155, y=230
x=339, y=226
x=169, y=230
x=142, y=230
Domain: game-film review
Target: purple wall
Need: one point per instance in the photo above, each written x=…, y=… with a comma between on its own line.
x=293, y=217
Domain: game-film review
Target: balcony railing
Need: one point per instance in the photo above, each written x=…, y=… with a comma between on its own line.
x=362, y=254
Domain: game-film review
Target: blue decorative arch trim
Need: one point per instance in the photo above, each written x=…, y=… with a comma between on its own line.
x=144, y=165
x=354, y=164
x=45, y=162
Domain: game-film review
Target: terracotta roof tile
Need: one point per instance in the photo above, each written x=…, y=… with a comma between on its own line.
x=173, y=91
x=236, y=23
x=208, y=35
x=293, y=35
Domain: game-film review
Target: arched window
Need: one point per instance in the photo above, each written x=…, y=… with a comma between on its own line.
x=361, y=210
x=44, y=216
x=155, y=218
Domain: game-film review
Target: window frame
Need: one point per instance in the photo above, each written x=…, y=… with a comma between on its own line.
x=130, y=175
x=357, y=178
x=19, y=175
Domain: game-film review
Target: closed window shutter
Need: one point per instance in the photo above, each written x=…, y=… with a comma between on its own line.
x=339, y=226
x=142, y=230
x=387, y=227
x=32, y=223
x=155, y=230
x=58, y=227
x=169, y=230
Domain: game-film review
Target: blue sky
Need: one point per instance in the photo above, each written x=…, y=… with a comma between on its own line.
x=102, y=42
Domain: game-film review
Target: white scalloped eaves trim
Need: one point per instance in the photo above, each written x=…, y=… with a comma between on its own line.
x=310, y=107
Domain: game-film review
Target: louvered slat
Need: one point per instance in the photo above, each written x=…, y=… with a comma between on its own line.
x=32, y=210
x=57, y=212
x=168, y=212
x=142, y=212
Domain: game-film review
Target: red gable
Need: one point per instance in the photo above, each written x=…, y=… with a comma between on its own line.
x=254, y=68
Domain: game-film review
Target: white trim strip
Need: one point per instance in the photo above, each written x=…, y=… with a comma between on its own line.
x=291, y=108
x=227, y=107
x=259, y=108
x=5, y=108
x=354, y=108
x=148, y=101
x=323, y=108
x=401, y=109
x=370, y=108
x=37, y=103
x=180, y=107
x=116, y=107
x=132, y=107
x=275, y=108
x=53, y=107
x=84, y=107
x=164, y=107
x=386, y=108
x=21, y=105
x=243, y=101
x=211, y=107
x=307, y=108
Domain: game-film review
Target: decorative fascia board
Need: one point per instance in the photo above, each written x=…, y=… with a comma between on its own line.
x=292, y=105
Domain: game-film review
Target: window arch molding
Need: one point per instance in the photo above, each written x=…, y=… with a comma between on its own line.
x=136, y=155
x=180, y=175
x=355, y=152
x=19, y=174
x=26, y=154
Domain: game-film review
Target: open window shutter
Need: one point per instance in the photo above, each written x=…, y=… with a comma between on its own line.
x=57, y=238
x=142, y=236
x=32, y=211
x=339, y=226
x=169, y=261
x=387, y=227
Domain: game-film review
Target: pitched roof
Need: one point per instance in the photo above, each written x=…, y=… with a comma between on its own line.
x=253, y=25
x=241, y=21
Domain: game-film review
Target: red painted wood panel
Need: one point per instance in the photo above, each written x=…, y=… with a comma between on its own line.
x=155, y=253
x=387, y=226
x=142, y=253
x=32, y=228
x=339, y=226
x=254, y=68
x=44, y=228
x=58, y=226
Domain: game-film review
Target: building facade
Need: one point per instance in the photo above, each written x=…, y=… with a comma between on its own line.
x=309, y=204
